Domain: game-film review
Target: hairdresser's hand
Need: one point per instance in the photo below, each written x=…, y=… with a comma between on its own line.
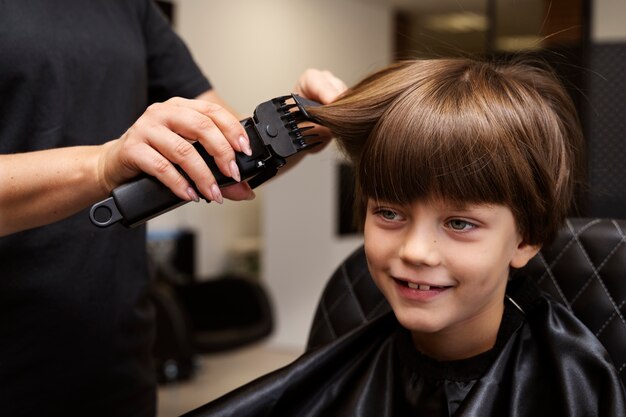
x=161, y=138
x=321, y=86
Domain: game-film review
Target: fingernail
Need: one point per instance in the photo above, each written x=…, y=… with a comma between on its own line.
x=234, y=171
x=245, y=145
x=217, y=194
x=193, y=196
x=251, y=196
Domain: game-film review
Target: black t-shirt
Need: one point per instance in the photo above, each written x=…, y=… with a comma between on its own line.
x=75, y=323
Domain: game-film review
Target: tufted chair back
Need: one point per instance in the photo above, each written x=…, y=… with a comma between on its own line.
x=584, y=268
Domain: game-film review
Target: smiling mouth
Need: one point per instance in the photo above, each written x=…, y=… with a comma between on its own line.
x=421, y=287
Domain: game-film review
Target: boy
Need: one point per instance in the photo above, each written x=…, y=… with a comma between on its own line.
x=464, y=170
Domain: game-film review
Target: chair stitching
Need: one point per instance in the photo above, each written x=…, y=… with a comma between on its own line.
x=351, y=290
x=380, y=306
x=549, y=273
x=558, y=257
x=606, y=323
x=360, y=275
x=596, y=275
x=350, y=285
x=327, y=311
x=546, y=268
x=326, y=321
x=344, y=295
x=572, y=240
x=595, y=270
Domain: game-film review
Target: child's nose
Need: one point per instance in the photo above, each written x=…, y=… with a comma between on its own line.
x=420, y=248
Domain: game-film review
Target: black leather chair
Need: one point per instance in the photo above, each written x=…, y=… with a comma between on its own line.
x=584, y=268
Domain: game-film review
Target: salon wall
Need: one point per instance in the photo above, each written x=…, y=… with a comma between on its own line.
x=608, y=21
x=254, y=50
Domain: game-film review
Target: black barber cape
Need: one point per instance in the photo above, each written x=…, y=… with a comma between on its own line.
x=545, y=363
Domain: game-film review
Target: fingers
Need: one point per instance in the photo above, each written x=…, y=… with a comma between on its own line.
x=320, y=85
x=164, y=148
x=237, y=192
x=162, y=137
x=215, y=116
x=218, y=132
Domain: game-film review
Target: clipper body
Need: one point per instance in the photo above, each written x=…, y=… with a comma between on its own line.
x=274, y=136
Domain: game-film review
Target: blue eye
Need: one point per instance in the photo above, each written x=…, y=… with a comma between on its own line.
x=459, y=225
x=389, y=215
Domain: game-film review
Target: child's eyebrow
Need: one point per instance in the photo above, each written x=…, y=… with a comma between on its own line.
x=464, y=207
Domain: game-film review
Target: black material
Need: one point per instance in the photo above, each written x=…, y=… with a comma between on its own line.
x=184, y=255
x=200, y=315
x=135, y=203
x=606, y=129
x=76, y=324
x=549, y=365
x=173, y=351
x=225, y=313
x=206, y=316
x=346, y=223
x=274, y=135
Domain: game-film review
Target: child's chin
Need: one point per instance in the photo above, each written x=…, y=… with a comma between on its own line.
x=417, y=325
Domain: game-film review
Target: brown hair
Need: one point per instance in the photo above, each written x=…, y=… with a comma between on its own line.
x=464, y=130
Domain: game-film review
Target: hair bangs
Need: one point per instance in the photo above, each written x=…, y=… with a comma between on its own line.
x=446, y=150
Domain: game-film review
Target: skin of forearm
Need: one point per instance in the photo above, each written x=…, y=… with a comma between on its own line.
x=42, y=187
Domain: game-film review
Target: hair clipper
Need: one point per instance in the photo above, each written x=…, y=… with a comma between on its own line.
x=274, y=136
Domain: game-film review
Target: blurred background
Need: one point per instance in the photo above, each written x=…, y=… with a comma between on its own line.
x=289, y=240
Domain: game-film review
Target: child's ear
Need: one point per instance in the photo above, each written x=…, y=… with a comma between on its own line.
x=523, y=253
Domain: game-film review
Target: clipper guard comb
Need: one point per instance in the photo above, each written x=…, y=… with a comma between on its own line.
x=274, y=134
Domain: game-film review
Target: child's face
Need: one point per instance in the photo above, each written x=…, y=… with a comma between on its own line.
x=443, y=268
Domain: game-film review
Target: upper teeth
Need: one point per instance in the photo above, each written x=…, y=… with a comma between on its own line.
x=419, y=286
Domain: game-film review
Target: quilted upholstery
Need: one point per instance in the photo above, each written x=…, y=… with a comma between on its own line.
x=584, y=268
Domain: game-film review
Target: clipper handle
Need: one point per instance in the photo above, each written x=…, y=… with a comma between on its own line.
x=134, y=203
x=138, y=201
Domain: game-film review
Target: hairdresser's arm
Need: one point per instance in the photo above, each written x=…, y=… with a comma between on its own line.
x=39, y=188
